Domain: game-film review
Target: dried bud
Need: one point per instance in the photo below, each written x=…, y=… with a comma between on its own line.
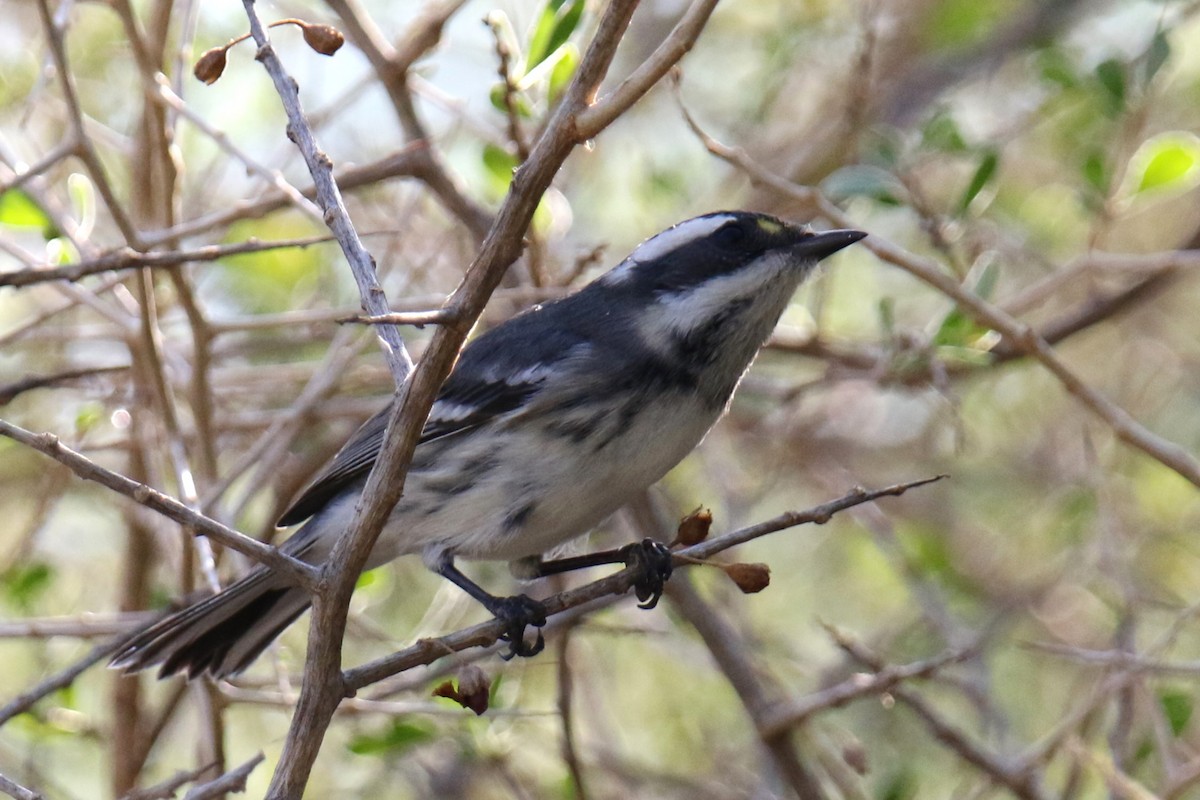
x=325, y=39
x=472, y=691
x=750, y=578
x=855, y=756
x=210, y=65
x=693, y=528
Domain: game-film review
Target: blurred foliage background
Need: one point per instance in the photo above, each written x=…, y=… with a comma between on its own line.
x=1043, y=154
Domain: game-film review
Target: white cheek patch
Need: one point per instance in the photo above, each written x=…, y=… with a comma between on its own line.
x=663, y=243
x=680, y=312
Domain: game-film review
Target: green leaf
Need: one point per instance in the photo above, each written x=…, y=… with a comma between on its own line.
x=1111, y=76
x=402, y=735
x=1056, y=68
x=88, y=416
x=23, y=583
x=558, y=20
x=1177, y=707
x=863, y=180
x=499, y=164
x=984, y=173
x=970, y=356
x=1156, y=56
x=987, y=280
x=520, y=102
x=941, y=133
x=899, y=786
x=18, y=210
x=887, y=315
x=1167, y=161
x=1095, y=171
x=564, y=70
x=83, y=200
x=957, y=329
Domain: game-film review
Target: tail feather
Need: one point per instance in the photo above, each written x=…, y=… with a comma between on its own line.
x=221, y=634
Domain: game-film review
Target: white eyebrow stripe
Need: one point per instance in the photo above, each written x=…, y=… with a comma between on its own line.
x=689, y=231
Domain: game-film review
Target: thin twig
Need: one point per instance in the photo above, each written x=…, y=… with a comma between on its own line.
x=485, y=634
x=18, y=792
x=26, y=700
x=329, y=198
x=302, y=574
x=232, y=781
x=1016, y=333
x=128, y=258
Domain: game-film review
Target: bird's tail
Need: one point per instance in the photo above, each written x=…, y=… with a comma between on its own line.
x=221, y=634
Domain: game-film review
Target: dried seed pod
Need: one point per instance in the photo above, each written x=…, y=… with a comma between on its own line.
x=750, y=578
x=325, y=39
x=473, y=690
x=693, y=528
x=210, y=65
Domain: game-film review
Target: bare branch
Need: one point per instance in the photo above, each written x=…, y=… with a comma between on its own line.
x=47, y=443
x=677, y=44
x=16, y=791
x=329, y=198
x=324, y=685
x=128, y=258
x=1017, y=334
x=232, y=781
x=485, y=634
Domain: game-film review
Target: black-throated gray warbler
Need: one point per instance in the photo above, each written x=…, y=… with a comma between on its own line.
x=548, y=424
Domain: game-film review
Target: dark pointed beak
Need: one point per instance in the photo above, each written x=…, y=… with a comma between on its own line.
x=824, y=244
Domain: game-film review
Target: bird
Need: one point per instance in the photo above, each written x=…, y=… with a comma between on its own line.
x=548, y=424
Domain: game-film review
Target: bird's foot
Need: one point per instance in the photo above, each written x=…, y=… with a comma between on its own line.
x=653, y=559
x=517, y=613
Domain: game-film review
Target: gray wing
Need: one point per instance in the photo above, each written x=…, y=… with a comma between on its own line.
x=461, y=406
x=496, y=374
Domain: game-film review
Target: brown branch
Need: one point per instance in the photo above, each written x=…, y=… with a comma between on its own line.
x=569, y=747
x=329, y=198
x=757, y=692
x=166, y=790
x=419, y=319
x=48, y=444
x=884, y=366
x=323, y=685
x=406, y=162
x=391, y=65
x=1018, y=775
x=26, y=700
x=9, y=391
x=781, y=717
x=127, y=258
x=85, y=151
x=232, y=781
x=16, y=791
x=619, y=583
x=89, y=626
x=678, y=43
x=1019, y=334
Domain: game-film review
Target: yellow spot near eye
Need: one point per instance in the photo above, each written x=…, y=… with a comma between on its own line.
x=770, y=226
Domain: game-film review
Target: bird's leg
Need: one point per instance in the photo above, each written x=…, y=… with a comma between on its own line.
x=651, y=558
x=517, y=612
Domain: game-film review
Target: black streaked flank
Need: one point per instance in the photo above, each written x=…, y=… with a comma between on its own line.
x=517, y=519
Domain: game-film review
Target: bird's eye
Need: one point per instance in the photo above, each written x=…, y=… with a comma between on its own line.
x=730, y=235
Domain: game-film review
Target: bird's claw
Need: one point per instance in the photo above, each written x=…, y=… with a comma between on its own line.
x=517, y=613
x=653, y=560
